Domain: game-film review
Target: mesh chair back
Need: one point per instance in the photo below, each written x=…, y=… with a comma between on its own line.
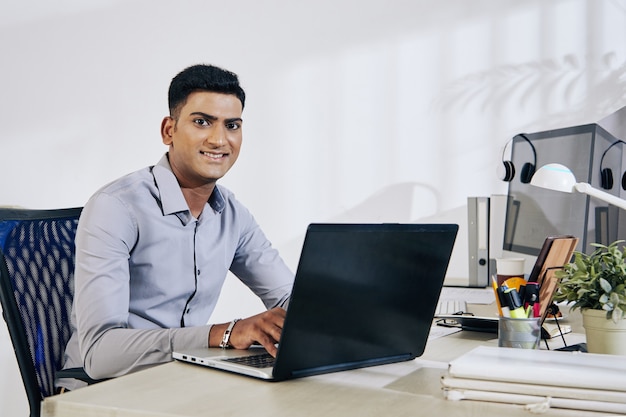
x=36, y=291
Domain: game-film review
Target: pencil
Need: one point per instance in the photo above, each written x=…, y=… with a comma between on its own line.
x=494, y=284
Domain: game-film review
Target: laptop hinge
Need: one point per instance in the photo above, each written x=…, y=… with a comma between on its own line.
x=351, y=365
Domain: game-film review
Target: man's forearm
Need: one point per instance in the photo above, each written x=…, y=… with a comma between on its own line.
x=121, y=351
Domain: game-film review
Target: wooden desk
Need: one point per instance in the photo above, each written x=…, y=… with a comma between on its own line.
x=176, y=390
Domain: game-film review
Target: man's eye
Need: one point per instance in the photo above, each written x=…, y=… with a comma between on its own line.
x=233, y=126
x=201, y=122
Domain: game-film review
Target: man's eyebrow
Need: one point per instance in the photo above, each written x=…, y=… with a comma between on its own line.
x=206, y=116
x=210, y=117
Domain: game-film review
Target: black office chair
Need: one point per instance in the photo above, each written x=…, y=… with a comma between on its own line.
x=36, y=292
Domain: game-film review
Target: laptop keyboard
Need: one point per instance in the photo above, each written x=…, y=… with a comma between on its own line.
x=263, y=360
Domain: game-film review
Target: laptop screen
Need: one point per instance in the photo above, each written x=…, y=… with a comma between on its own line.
x=364, y=294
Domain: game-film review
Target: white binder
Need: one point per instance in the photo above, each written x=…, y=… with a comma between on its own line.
x=478, y=240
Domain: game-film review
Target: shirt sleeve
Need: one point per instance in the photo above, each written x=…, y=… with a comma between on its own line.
x=259, y=266
x=108, y=347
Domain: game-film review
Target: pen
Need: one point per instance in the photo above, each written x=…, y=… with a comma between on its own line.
x=522, y=293
x=531, y=299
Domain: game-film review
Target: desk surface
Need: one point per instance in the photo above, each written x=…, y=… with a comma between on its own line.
x=176, y=389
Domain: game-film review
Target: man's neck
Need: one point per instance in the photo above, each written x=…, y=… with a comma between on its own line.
x=197, y=198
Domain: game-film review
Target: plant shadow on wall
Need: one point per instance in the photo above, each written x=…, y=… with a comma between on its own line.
x=576, y=81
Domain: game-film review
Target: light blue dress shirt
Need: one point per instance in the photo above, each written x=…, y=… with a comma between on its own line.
x=149, y=274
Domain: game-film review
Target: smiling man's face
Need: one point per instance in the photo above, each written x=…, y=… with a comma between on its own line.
x=205, y=138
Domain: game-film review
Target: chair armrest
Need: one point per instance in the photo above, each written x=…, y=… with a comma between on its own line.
x=77, y=373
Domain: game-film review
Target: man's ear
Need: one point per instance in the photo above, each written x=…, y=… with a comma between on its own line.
x=167, y=128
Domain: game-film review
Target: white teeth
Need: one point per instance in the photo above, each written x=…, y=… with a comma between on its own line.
x=213, y=155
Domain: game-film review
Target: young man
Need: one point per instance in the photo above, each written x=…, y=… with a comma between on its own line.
x=154, y=247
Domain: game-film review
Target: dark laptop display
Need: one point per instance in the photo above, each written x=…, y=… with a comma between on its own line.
x=364, y=295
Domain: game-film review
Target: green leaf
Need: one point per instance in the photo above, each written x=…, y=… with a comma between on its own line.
x=617, y=315
x=606, y=287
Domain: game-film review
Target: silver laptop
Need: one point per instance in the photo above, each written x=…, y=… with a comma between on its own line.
x=364, y=295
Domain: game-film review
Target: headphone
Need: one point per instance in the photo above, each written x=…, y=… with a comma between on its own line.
x=528, y=169
x=606, y=175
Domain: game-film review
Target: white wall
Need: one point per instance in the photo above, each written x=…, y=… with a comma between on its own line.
x=368, y=110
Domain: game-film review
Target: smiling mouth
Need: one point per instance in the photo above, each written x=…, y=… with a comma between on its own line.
x=215, y=156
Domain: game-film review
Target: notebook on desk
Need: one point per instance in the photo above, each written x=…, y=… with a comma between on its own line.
x=364, y=295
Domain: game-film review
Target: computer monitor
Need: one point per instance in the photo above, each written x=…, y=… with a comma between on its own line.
x=533, y=213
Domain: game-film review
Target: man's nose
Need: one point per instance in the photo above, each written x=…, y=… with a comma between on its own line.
x=217, y=137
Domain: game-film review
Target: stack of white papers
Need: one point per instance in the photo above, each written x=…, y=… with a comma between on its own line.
x=539, y=379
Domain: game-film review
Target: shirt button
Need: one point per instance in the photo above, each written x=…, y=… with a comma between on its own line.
x=198, y=272
x=187, y=311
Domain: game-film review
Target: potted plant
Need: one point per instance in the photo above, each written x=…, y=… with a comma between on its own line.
x=596, y=284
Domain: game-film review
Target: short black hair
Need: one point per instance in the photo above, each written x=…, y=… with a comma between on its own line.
x=202, y=78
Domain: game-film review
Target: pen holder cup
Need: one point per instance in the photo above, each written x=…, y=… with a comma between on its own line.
x=519, y=333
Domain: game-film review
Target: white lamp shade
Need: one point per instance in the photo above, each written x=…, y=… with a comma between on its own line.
x=554, y=177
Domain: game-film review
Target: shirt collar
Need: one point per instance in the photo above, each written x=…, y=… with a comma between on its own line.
x=171, y=196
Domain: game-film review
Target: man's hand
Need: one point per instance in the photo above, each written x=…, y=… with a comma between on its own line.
x=264, y=328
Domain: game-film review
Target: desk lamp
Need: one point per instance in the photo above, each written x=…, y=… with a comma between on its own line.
x=558, y=177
